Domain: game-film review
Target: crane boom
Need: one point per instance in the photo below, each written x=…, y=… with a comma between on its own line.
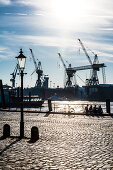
x=62, y=60
x=85, y=51
x=94, y=66
x=36, y=66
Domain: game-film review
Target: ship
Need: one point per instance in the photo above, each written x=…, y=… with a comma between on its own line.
x=68, y=93
x=11, y=98
x=99, y=92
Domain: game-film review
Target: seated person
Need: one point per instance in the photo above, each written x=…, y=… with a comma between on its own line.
x=94, y=110
x=100, y=111
x=86, y=109
x=90, y=109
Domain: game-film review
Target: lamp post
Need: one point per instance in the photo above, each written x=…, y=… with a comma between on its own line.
x=21, y=62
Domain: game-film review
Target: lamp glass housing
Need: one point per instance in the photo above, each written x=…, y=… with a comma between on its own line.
x=21, y=60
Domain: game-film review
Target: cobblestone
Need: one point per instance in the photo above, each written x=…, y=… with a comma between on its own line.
x=76, y=142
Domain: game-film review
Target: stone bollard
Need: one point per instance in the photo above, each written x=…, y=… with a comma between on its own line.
x=34, y=134
x=108, y=106
x=6, y=131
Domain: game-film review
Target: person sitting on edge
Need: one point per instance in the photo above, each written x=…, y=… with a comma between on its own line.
x=90, y=109
x=94, y=110
x=86, y=109
x=100, y=111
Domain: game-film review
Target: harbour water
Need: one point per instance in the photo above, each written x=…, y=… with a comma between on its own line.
x=71, y=106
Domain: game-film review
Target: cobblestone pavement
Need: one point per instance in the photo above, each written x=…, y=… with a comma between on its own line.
x=66, y=142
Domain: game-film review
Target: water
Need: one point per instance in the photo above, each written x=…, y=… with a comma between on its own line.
x=77, y=106
x=71, y=106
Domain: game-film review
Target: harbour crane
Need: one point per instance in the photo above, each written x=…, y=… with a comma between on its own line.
x=95, y=67
x=38, y=70
x=69, y=72
x=14, y=76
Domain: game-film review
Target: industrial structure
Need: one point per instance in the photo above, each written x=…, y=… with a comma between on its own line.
x=93, y=80
x=14, y=76
x=42, y=80
x=69, y=74
x=70, y=71
x=38, y=70
x=92, y=89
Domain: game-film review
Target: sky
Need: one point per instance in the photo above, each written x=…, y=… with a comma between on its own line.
x=50, y=27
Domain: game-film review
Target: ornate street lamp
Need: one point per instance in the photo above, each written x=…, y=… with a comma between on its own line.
x=21, y=62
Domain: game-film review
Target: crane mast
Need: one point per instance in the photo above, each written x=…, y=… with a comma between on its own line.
x=94, y=77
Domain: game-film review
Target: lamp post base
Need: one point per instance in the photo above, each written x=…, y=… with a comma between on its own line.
x=21, y=130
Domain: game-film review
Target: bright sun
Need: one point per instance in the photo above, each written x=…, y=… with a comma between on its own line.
x=70, y=10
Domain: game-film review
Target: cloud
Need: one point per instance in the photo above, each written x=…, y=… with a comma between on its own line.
x=50, y=41
x=7, y=13
x=106, y=29
x=99, y=47
x=14, y=14
x=97, y=17
x=89, y=15
x=21, y=14
x=6, y=53
x=100, y=7
x=2, y=49
x=3, y=56
x=35, y=3
x=5, y=2
x=102, y=49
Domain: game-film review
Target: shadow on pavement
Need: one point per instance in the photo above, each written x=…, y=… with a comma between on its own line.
x=112, y=116
x=7, y=147
x=32, y=141
x=47, y=114
x=2, y=138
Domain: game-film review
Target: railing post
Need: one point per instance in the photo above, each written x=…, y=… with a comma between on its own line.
x=108, y=106
x=49, y=105
x=2, y=95
x=29, y=96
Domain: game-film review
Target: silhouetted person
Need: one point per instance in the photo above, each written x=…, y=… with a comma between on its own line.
x=94, y=110
x=86, y=109
x=100, y=111
x=90, y=109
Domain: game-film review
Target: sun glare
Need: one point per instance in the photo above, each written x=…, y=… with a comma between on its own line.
x=69, y=10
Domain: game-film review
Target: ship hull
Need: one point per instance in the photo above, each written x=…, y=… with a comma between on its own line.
x=99, y=93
